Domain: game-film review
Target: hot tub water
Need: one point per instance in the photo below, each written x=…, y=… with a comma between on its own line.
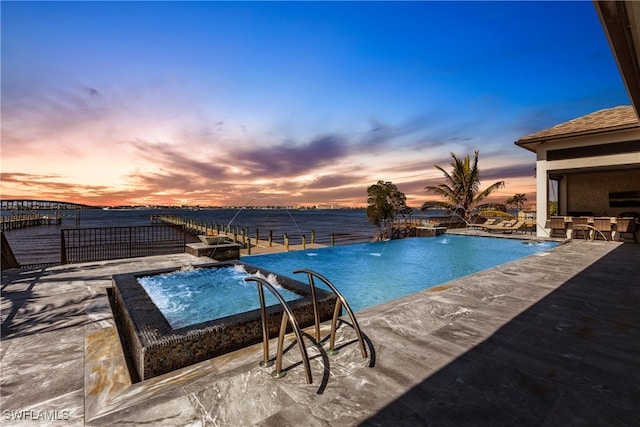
x=190, y=297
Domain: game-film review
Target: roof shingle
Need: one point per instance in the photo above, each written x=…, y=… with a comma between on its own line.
x=616, y=117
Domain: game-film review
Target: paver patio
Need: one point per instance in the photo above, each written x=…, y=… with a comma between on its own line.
x=549, y=340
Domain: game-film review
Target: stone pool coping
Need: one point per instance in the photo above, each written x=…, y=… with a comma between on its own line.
x=548, y=340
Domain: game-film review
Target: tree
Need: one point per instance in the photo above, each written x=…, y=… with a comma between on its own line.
x=385, y=203
x=461, y=189
x=517, y=200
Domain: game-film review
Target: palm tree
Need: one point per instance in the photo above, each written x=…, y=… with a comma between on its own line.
x=517, y=200
x=461, y=189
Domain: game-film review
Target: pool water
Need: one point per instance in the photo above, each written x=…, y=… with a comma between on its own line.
x=372, y=273
x=190, y=297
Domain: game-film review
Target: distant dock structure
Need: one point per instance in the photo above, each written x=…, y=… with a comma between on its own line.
x=14, y=216
x=12, y=222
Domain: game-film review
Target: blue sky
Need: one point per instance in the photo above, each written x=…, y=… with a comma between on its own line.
x=216, y=103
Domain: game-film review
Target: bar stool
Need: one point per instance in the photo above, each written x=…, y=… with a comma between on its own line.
x=580, y=225
x=558, y=227
x=602, y=226
x=626, y=225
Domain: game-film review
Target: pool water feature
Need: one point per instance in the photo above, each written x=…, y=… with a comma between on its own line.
x=190, y=297
x=155, y=346
x=368, y=274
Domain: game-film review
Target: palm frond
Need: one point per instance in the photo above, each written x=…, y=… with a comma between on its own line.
x=495, y=213
x=435, y=204
x=461, y=187
x=487, y=191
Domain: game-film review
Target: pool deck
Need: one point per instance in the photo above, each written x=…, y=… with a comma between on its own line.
x=549, y=340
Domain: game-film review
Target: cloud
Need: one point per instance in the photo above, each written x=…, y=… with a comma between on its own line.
x=331, y=181
x=198, y=158
x=522, y=170
x=48, y=187
x=162, y=181
x=290, y=159
x=176, y=158
x=415, y=130
x=50, y=115
x=292, y=169
x=25, y=178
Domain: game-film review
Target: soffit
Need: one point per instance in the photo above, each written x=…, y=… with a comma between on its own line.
x=621, y=23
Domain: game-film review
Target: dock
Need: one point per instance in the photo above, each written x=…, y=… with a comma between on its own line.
x=250, y=245
x=16, y=219
x=13, y=222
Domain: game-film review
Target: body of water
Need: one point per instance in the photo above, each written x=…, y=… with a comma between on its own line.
x=41, y=244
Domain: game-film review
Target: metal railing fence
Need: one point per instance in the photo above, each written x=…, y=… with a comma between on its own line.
x=97, y=244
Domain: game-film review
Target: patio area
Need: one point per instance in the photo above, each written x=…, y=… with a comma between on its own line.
x=548, y=340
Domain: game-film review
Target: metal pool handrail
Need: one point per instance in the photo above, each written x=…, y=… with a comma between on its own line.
x=287, y=315
x=592, y=232
x=340, y=301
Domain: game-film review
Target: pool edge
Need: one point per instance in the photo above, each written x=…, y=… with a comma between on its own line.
x=155, y=348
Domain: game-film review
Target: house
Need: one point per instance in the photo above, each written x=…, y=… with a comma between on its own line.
x=591, y=165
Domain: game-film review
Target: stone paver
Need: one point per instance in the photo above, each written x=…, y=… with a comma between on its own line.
x=549, y=340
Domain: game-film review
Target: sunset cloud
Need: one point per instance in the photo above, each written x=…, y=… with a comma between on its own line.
x=215, y=103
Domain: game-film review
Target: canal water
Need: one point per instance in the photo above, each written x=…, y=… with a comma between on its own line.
x=41, y=244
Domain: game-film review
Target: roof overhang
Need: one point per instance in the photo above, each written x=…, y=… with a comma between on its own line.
x=531, y=144
x=621, y=23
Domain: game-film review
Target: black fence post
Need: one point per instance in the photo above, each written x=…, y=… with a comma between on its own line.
x=63, y=249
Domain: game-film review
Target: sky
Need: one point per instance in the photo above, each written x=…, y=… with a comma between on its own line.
x=287, y=103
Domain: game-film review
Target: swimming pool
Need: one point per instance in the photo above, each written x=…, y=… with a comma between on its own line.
x=368, y=274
